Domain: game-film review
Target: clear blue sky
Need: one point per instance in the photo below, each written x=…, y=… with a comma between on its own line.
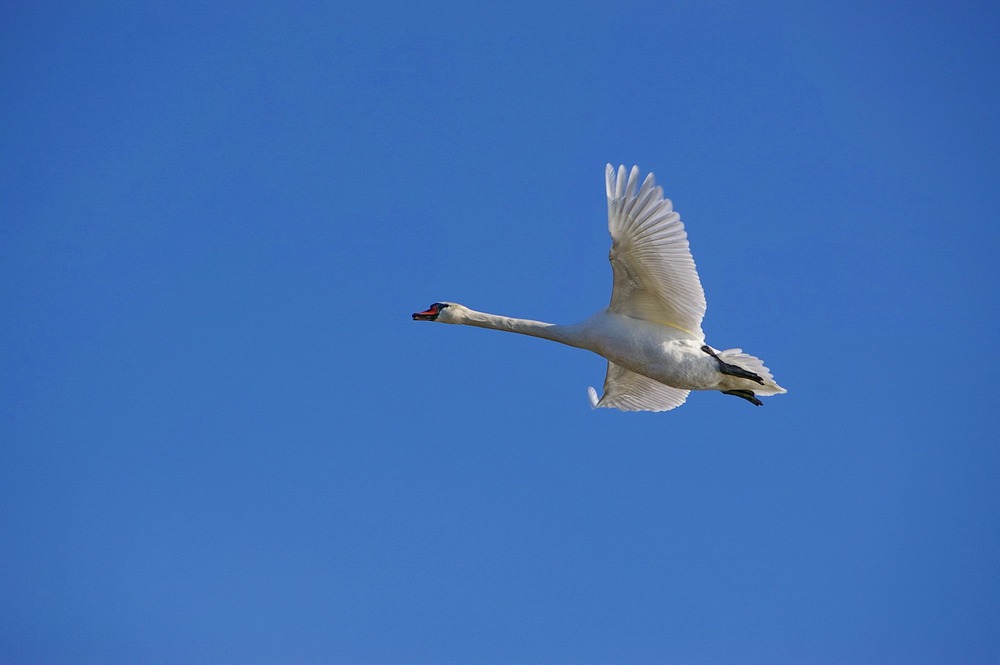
x=225, y=441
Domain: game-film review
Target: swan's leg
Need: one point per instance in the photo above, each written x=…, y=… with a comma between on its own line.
x=732, y=370
x=745, y=394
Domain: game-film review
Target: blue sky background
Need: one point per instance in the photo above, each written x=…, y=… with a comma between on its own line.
x=223, y=439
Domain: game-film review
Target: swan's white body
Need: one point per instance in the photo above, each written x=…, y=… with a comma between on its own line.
x=651, y=332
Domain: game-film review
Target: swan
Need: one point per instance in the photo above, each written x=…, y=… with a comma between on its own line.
x=650, y=333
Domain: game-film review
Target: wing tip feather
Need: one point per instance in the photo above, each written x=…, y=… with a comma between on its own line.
x=592, y=393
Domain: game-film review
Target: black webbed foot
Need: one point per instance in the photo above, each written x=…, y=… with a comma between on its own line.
x=733, y=370
x=744, y=394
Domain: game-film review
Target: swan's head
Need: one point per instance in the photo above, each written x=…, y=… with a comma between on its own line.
x=442, y=312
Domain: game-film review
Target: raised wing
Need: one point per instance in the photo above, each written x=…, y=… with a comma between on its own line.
x=655, y=275
x=628, y=391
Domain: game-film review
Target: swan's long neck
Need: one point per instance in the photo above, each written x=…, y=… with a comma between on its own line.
x=551, y=331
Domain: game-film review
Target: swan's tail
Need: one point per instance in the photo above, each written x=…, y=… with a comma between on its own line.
x=755, y=365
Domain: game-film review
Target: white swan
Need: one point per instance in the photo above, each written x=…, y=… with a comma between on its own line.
x=651, y=332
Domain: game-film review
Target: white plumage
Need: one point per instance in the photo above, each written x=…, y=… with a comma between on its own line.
x=650, y=333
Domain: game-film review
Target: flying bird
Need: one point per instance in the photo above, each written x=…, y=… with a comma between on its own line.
x=650, y=333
